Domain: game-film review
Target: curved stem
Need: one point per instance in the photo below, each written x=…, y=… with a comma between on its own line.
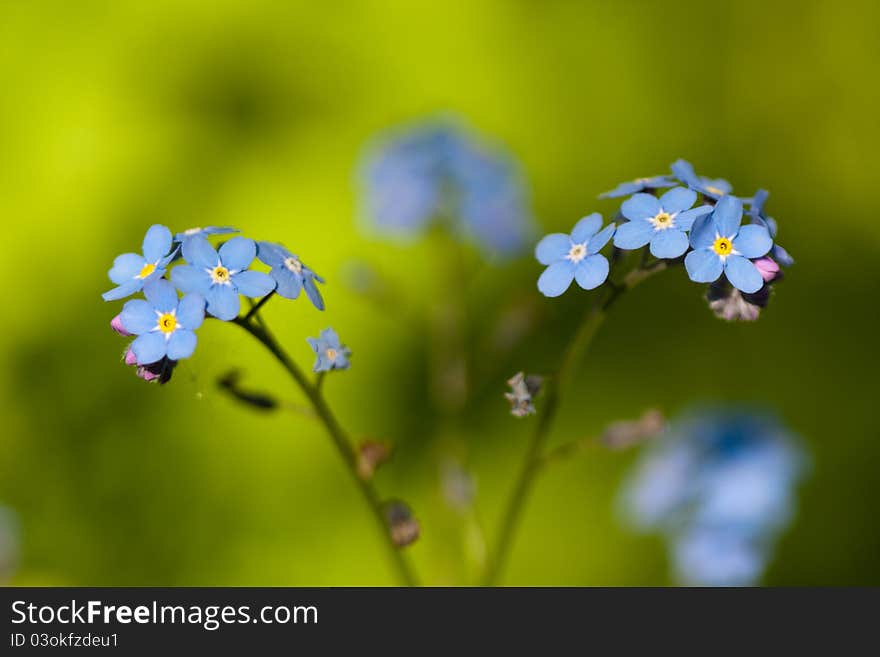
x=338, y=436
x=554, y=389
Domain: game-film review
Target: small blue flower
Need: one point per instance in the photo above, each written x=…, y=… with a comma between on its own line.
x=721, y=244
x=204, y=232
x=165, y=326
x=662, y=222
x=639, y=185
x=220, y=278
x=131, y=271
x=331, y=353
x=756, y=212
x=713, y=188
x=290, y=273
x=574, y=257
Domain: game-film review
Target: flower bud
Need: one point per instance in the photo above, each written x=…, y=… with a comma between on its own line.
x=523, y=389
x=403, y=527
x=370, y=455
x=130, y=358
x=116, y=325
x=768, y=268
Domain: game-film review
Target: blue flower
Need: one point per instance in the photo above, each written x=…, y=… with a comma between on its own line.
x=721, y=244
x=639, y=185
x=204, y=232
x=331, y=353
x=720, y=486
x=220, y=278
x=662, y=222
x=290, y=273
x=756, y=212
x=713, y=188
x=165, y=326
x=131, y=271
x=574, y=257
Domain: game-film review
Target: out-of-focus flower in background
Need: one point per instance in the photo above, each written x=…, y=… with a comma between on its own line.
x=9, y=543
x=720, y=486
x=441, y=172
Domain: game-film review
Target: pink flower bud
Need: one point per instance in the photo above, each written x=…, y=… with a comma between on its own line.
x=116, y=325
x=767, y=267
x=130, y=358
x=147, y=375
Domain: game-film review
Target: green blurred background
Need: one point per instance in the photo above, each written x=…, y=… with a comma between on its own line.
x=115, y=116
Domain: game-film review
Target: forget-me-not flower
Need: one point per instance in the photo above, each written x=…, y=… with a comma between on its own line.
x=331, y=353
x=662, y=222
x=713, y=188
x=639, y=185
x=204, y=232
x=722, y=244
x=756, y=212
x=290, y=273
x=164, y=325
x=574, y=257
x=131, y=271
x=221, y=277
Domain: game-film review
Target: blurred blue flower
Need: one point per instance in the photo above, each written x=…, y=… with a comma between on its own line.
x=204, y=232
x=130, y=270
x=439, y=172
x=756, y=212
x=721, y=244
x=331, y=353
x=662, y=222
x=574, y=257
x=165, y=326
x=639, y=185
x=220, y=278
x=713, y=188
x=290, y=273
x=720, y=485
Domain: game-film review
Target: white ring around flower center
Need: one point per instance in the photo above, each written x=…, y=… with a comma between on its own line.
x=577, y=252
x=663, y=220
x=293, y=264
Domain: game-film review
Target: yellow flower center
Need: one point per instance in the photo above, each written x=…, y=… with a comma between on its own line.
x=722, y=246
x=661, y=220
x=577, y=253
x=148, y=269
x=331, y=353
x=167, y=323
x=220, y=274
x=715, y=190
x=293, y=265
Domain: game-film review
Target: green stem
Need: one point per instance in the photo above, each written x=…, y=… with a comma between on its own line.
x=554, y=389
x=340, y=440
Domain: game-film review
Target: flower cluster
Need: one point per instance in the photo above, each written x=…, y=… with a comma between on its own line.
x=209, y=282
x=720, y=486
x=682, y=215
x=439, y=172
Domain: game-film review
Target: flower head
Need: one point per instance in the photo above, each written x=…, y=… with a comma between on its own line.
x=722, y=245
x=290, y=274
x=204, y=232
x=639, y=185
x=756, y=212
x=711, y=188
x=221, y=277
x=574, y=257
x=164, y=325
x=663, y=223
x=131, y=271
x=331, y=353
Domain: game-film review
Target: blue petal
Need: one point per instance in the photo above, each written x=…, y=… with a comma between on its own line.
x=752, y=241
x=703, y=232
x=782, y=256
x=138, y=316
x=591, y=272
x=623, y=189
x=126, y=267
x=552, y=248
x=758, y=201
x=678, y=199
x=556, y=278
x=191, y=311
x=238, y=253
x=223, y=302
x=669, y=243
x=157, y=243
x=640, y=206
x=703, y=266
x=271, y=254
x=728, y=215
x=600, y=239
x=633, y=234
x=685, y=220
x=742, y=274
x=198, y=252
x=289, y=284
x=125, y=290
x=181, y=344
x=252, y=283
x=149, y=348
x=189, y=278
x=313, y=293
x=331, y=338
x=585, y=228
x=161, y=295
x=684, y=171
